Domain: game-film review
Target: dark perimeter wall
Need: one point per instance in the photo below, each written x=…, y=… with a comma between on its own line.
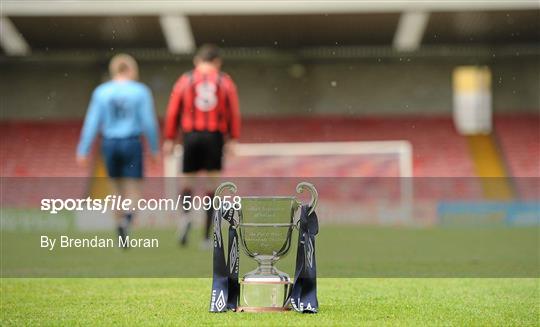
x=56, y=89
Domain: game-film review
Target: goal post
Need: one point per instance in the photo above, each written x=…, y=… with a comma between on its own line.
x=393, y=213
x=402, y=149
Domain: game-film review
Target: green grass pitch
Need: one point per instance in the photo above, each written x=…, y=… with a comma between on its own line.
x=184, y=302
x=344, y=301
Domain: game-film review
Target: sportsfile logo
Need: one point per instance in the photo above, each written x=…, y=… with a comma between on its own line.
x=114, y=202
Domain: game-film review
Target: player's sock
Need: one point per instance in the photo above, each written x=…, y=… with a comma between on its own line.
x=209, y=214
x=184, y=232
x=129, y=218
x=122, y=235
x=122, y=229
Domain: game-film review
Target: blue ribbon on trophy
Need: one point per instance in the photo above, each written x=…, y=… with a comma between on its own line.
x=302, y=294
x=225, y=286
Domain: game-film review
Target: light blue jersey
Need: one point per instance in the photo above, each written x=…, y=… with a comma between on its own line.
x=120, y=109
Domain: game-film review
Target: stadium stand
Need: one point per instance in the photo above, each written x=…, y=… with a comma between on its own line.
x=39, y=149
x=519, y=137
x=47, y=148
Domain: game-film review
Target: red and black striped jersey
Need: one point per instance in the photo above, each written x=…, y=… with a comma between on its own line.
x=203, y=101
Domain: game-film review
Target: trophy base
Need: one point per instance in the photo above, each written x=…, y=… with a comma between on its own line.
x=263, y=309
x=264, y=294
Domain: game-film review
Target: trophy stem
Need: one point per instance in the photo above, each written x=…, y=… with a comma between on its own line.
x=266, y=267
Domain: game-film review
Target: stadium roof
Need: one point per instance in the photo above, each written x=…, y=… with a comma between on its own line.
x=178, y=27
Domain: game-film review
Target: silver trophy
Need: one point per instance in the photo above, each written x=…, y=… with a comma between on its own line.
x=265, y=225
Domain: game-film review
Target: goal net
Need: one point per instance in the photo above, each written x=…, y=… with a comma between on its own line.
x=375, y=177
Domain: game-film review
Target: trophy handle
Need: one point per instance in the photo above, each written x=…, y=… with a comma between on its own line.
x=226, y=185
x=231, y=187
x=314, y=195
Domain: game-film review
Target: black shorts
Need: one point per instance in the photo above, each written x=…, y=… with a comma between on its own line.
x=202, y=151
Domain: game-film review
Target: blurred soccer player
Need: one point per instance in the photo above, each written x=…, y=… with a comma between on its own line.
x=121, y=110
x=204, y=106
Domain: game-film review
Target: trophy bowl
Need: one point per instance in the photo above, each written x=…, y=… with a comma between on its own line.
x=265, y=225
